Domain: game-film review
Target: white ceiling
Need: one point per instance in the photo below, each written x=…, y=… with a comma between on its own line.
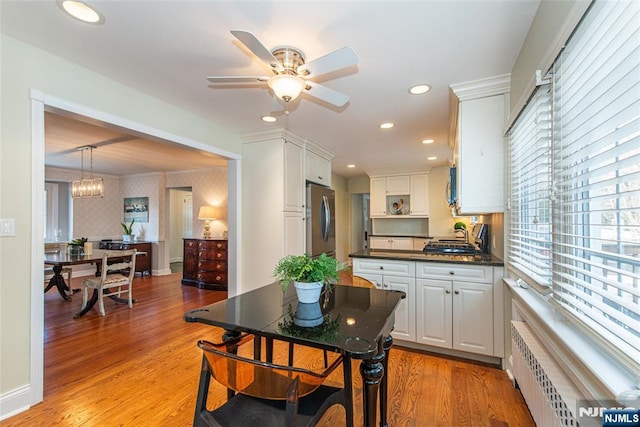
x=168, y=48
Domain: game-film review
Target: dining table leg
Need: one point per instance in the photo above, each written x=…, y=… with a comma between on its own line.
x=372, y=371
x=58, y=281
x=388, y=342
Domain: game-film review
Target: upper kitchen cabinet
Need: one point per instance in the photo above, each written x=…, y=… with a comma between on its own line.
x=317, y=164
x=478, y=113
x=399, y=195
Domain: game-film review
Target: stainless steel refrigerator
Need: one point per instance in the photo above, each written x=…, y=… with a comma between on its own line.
x=321, y=229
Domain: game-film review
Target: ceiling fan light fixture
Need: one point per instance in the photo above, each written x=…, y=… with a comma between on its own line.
x=286, y=87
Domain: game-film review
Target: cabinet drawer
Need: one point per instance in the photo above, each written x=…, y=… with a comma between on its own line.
x=473, y=273
x=205, y=265
x=385, y=267
x=212, y=277
x=212, y=255
x=213, y=245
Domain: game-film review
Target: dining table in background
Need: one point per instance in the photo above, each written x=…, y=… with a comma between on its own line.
x=357, y=322
x=60, y=259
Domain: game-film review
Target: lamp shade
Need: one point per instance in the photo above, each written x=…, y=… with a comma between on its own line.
x=208, y=212
x=286, y=87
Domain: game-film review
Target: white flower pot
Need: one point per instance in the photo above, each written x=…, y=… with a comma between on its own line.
x=308, y=292
x=128, y=237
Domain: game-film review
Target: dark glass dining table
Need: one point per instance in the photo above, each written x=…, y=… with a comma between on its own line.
x=353, y=321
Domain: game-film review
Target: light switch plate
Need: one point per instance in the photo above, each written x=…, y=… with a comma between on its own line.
x=7, y=227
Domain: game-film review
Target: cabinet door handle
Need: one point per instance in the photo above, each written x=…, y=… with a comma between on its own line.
x=452, y=273
x=384, y=285
x=447, y=291
x=456, y=292
x=381, y=268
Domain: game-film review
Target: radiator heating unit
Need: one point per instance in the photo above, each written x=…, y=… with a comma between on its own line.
x=549, y=393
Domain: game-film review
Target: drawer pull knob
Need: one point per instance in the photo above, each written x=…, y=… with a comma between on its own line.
x=452, y=273
x=456, y=292
x=447, y=291
x=381, y=268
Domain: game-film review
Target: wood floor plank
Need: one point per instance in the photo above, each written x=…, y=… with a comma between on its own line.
x=140, y=367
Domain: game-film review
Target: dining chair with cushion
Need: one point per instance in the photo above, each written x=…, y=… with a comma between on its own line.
x=265, y=394
x=116, y=278
x=362, y=282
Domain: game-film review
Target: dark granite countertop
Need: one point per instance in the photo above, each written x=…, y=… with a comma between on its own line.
x=485, y=259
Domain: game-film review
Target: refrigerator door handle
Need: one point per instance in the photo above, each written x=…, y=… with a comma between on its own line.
x=326, y=218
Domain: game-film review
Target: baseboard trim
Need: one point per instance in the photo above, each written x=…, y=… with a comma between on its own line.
x=15, y=402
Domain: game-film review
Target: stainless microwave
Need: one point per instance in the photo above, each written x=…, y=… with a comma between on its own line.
x=451, y=191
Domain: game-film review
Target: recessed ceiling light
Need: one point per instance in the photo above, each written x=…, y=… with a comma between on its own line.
x=419, y=89
x=427, y=141
x=351, y=166
x=388, y=125
x=268, y=119
x=81, y=11
x=432, y=158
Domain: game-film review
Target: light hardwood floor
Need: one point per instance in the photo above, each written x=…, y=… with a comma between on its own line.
x=140, y=367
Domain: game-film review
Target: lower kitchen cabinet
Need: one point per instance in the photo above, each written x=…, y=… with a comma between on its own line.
x=396, y=243
x=397, y=276
x=455, y=315
x=205, y=264
x=455, y=307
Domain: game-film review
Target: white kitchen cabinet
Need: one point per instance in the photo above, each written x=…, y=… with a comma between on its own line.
x=398, y=276
x=378, y=197
x=398, y=185
x=398, y=243
x=455, y=307
x=479, y=143
x=419, y=195
x=294, y=190
x=413, y=188
x=293, y=228
x=318, y=168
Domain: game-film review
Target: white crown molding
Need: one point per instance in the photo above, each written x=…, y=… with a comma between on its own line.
x=490, y=86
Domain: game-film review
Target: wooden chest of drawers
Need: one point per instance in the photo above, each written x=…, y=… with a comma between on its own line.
x=205, y=264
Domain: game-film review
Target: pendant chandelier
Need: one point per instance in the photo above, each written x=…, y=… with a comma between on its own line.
x=87, y=188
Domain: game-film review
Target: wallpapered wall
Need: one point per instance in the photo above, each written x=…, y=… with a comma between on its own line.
x=100, y=218
x=209, y=188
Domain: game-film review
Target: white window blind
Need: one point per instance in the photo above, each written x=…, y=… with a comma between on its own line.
x=529, y=237
x=596, y=173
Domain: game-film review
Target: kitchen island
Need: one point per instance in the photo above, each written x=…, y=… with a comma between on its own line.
x=454, y=305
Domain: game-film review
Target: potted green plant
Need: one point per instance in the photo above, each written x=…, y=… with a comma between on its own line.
x=308, y=274
x=76, y=246
x=128, y=235
x=460, y=228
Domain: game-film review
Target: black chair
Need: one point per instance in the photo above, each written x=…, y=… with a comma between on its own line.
x=265, y=394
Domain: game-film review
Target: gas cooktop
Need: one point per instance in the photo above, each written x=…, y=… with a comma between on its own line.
x=451, y=247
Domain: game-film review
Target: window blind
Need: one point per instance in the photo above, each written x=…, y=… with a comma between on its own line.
x=596, y=175
x=529, y=237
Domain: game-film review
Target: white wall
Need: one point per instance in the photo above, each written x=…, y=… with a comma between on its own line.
x=25, y=68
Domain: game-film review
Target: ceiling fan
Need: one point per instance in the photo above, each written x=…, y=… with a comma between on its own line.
x=291, y=74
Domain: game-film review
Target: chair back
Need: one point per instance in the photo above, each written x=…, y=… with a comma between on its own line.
x=362, y=282
x=260, y=379
x=120, y=261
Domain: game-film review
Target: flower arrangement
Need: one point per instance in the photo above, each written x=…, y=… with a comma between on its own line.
x=79, y=242
x=303, y=268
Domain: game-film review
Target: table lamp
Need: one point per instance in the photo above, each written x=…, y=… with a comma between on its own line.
x=208, y=213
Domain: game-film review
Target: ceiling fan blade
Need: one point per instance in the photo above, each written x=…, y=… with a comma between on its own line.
x=258, y=49
x=325, y=94
x=236, y=79
x=332, y=61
